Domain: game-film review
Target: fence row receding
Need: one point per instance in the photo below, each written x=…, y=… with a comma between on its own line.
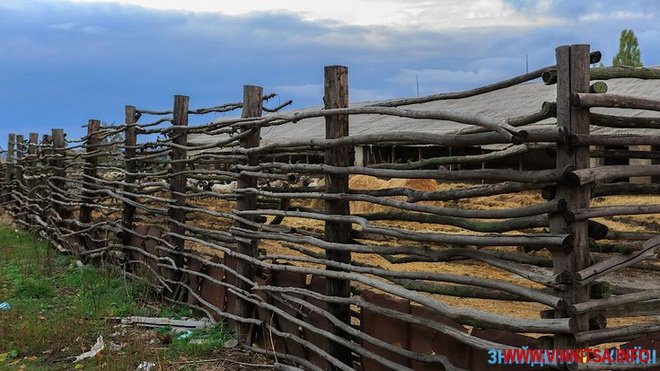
x=307, y=264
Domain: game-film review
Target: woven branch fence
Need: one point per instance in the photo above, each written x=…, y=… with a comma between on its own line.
x=273, y=248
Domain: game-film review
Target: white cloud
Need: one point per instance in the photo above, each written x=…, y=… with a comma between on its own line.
x=618, y=15
x=419, y=14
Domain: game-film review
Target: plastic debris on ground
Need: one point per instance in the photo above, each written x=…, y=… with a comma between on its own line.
x=146, y=366
x=5, y=306
x=96, y=349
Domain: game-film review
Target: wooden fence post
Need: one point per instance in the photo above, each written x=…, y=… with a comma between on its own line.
x=9, y=174
x=58, y=163
x=31, y=171
x=45, y=153
x=20, y=169
x=90, y=172
x=130, y=165
x=179, y=136
x=336, y=96
x=252, y=107
x=572, y=77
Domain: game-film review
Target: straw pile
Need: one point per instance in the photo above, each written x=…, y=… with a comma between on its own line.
x=366, y=182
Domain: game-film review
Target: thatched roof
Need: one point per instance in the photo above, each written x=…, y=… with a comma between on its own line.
x=515, y=101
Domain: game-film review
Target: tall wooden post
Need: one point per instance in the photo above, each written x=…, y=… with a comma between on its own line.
x=33, y=140
x=31, y=171
x=130, y=165
x=9, y=175
x=20, y=147
x=44, y=154
x=19, y=172
x=58, y=165
x=572, y=77
x=252, y=107
x=90, y=172
x=336, y=96
x=179, y=135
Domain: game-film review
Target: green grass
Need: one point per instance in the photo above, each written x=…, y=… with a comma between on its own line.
x=59, y=309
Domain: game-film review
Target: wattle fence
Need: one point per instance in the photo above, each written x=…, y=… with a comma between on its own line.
x=282, y=258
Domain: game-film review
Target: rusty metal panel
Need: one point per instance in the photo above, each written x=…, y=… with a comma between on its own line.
x=230, y=278
x=390, y=330
x=317, y=284
x=137, y=241
x=289, y=279
x=480, y=357
x=212, y=292
x=429, y=341
x=194, y=281
x=261, y=336
x=149, y=245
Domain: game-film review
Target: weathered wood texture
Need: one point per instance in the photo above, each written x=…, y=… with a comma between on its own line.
x=573, y=77
x=177, y=181
x=252, y=107
x=9, y=170
x=91, y=162
x=58, y=169
x=336, y=96
x=130, y=165
x=90, y=172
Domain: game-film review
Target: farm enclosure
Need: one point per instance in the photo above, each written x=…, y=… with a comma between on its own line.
x=364, y=268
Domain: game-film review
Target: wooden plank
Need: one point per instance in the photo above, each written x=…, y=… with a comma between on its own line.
x=252, y=107
x=572, y=77
x=178, y=136
x=165, y=322
x=336, y=96
x=85, y=217
x=130, y=141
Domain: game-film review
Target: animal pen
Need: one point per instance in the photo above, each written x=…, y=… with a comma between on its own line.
x=340, y=275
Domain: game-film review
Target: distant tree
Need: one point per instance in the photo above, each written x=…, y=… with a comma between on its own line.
x=628, y=54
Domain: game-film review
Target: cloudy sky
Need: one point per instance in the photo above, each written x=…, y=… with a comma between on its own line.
x=63, y=62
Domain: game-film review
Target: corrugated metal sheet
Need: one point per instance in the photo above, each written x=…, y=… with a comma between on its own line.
x=515, y=101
